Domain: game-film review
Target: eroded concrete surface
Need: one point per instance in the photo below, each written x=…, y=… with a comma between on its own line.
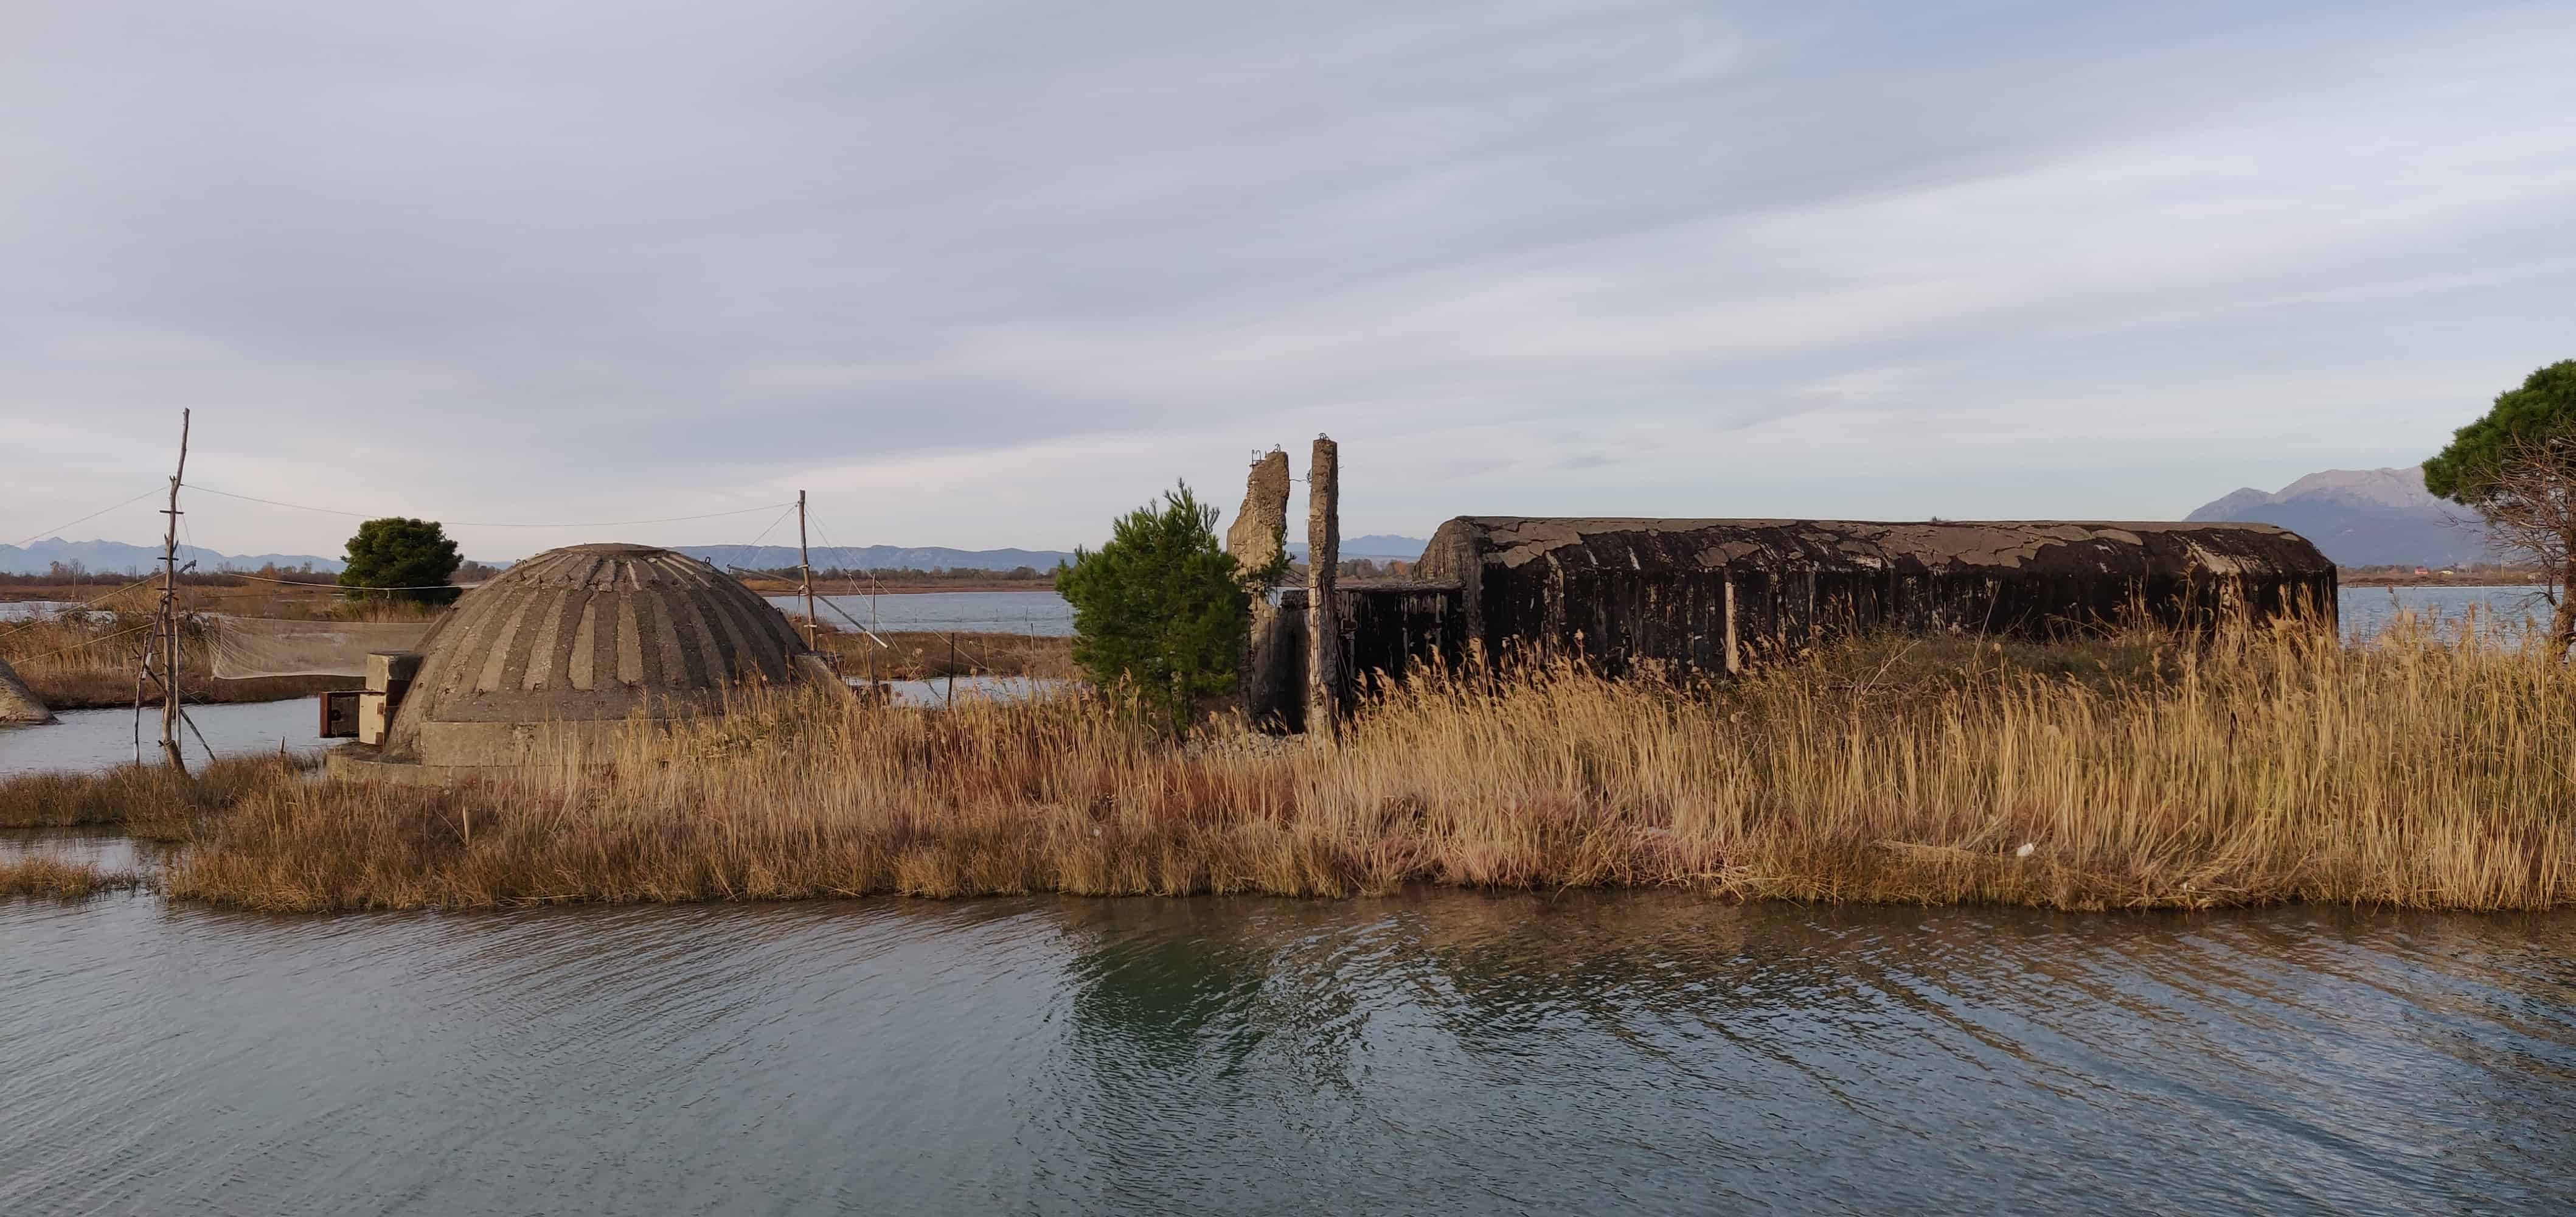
x=1260, y=528
x=1324, y=693
x=585, y=634
x=18, y=703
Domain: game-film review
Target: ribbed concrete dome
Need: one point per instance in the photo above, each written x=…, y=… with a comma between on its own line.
x=581, y=638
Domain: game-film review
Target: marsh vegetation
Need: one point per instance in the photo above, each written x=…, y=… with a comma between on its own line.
x=2426, y=770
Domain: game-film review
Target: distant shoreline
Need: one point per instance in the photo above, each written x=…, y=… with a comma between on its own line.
x=781, y=587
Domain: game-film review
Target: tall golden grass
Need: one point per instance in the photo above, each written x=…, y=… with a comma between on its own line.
x=147, y=800
x=89, y=658
x=2424, y=772
x=60, y=879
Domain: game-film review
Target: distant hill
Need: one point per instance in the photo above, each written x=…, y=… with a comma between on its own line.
x=877, y=557
x=1375, y=547
x=2362, y=517
x=111, y=557
x=895, y=557
x=116, y=557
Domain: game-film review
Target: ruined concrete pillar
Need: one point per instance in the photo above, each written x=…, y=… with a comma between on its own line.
x=18, y=703
x=1261, y=529
x=1323, y=609
x=1257, y=538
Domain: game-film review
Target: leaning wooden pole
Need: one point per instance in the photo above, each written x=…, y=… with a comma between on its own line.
x=805, y=571
x=170, y=611
x=1323, y=608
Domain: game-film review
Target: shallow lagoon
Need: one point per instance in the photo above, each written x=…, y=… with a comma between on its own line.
x=1439, y=1052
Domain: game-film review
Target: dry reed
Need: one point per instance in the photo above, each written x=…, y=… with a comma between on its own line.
x=2423, y=771
x=146, y=800
x=40, y=875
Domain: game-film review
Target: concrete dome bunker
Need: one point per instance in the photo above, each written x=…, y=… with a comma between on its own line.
x=549, y=661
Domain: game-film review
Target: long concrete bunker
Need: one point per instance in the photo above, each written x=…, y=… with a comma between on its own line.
x=1714, y=596
x=551, y=660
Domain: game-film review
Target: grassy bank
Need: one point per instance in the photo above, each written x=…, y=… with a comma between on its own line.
x=148, y=800
x=55, y=878
x=2420, y=772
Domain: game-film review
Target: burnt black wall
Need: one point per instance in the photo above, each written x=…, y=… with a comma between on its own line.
x=1614, y=617
x=1387, y=633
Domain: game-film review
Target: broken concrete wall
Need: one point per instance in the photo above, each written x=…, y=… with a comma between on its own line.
x=18, y=703
x=1260, y=529
x=1323, y=560
x=1274, y=654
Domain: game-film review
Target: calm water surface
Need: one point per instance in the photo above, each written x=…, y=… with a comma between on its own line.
x=102, y=739
x=2365, y=611
x=29, y=610
x=1441, y=1052
x=1043, y=614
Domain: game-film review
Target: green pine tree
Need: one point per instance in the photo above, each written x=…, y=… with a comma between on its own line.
x=1160, y=613
x=2516, y=466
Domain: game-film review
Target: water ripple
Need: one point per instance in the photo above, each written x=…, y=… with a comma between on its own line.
x=1437, y=1052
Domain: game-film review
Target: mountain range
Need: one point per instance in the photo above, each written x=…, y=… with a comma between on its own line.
x=111, y=557
x=114, y=557
x=876, y=557
x=2358, y=517
x=2363, y=517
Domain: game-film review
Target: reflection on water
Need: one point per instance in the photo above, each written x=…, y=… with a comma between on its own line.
x=1437, y=1052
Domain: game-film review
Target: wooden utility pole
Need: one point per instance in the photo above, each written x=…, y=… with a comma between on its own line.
x=805, y=568
x=1323, y=608
x=170, y=612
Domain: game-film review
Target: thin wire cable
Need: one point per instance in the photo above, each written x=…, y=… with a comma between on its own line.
x=876, y=588
x=362, y=515
x=982, y=656
x=773, y=527
x=39, y=534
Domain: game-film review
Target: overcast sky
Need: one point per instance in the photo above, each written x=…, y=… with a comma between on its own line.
x=982, y=274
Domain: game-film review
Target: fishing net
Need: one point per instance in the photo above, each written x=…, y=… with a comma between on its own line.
x=244, y=647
